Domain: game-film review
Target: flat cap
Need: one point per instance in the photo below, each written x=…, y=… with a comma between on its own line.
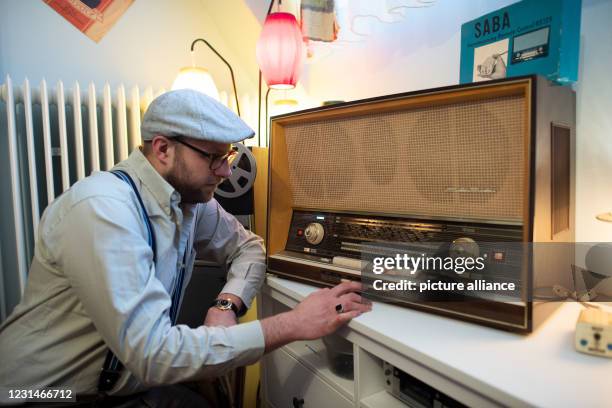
x=189, y=113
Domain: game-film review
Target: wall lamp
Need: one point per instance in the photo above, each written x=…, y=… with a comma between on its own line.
x=199, y=79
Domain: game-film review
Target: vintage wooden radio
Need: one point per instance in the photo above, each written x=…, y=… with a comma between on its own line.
x=482, y=169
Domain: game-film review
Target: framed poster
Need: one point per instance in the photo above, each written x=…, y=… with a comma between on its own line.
x=92, y=17
x=529, y=37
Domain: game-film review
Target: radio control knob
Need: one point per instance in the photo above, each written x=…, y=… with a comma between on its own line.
x=464, y=247
x=314, y=233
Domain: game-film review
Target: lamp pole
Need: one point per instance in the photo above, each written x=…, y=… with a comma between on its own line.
x=259, y=94
x=226, y=63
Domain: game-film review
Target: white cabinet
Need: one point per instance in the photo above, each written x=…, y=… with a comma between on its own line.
x=300, y=374
x=475, y=365
x=291, y=384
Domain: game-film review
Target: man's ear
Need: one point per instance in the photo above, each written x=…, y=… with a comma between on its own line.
x=162, y=149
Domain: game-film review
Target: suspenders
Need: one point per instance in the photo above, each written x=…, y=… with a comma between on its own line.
x=112, y=368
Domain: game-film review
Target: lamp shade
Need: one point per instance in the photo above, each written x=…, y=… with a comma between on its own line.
x=198, y=79
x=280, y=51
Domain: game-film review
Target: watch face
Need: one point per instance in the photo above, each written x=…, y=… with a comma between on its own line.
x=224, y=304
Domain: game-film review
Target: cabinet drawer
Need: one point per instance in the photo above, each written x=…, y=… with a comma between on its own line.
x=290, y=384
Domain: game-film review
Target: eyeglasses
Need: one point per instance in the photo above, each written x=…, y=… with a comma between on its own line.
x=216, y=160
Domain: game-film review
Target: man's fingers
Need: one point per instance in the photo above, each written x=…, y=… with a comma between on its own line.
x=360, y=307
x=346, y=287
x=353, y=297
x=353, y=302
x=349, y=300
x=344, y=318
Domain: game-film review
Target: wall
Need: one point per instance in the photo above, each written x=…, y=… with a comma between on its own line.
x=594, y=123
x=146, y=47
x=422, y=51
x=418, y=51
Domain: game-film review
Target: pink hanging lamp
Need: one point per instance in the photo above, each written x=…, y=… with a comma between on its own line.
x=280, y=51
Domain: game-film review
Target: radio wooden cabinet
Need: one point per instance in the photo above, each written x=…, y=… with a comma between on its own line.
x=474, y=365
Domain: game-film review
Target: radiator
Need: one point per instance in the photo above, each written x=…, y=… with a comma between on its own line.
x=49, y=139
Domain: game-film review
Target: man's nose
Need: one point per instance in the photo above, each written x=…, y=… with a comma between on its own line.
x=224, y=171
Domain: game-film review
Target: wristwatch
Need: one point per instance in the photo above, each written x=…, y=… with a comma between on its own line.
x=226, y=304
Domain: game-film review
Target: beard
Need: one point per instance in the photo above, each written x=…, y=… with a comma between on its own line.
x=183, y=182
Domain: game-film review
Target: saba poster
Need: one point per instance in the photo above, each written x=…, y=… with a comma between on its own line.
x=529, y=37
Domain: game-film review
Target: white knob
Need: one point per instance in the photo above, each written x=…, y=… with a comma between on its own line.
x=314, y=233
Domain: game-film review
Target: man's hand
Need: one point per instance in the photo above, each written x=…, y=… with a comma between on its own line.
x=217, y=317
x=316, y=316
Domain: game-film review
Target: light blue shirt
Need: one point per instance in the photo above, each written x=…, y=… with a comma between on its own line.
x=93, y=285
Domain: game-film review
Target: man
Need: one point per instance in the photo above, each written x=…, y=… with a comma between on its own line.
x=100, y=280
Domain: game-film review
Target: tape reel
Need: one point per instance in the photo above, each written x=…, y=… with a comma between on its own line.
x=244, y=170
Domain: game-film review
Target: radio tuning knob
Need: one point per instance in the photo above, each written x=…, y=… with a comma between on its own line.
x=464, y=247
x=314, y=233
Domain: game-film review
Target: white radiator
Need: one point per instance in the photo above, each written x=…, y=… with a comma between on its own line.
x=49, y=139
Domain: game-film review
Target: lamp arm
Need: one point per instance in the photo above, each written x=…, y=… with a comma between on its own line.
x=226, y=63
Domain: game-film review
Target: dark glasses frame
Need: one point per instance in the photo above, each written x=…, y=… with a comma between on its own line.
x=216, y=160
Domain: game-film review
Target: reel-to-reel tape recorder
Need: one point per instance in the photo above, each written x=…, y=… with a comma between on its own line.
x=479, y=171
x=236, y=193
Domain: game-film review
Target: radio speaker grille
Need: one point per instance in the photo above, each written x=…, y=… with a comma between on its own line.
x=464, y=160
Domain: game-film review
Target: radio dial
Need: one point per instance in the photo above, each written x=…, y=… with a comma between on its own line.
x=314, y=233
